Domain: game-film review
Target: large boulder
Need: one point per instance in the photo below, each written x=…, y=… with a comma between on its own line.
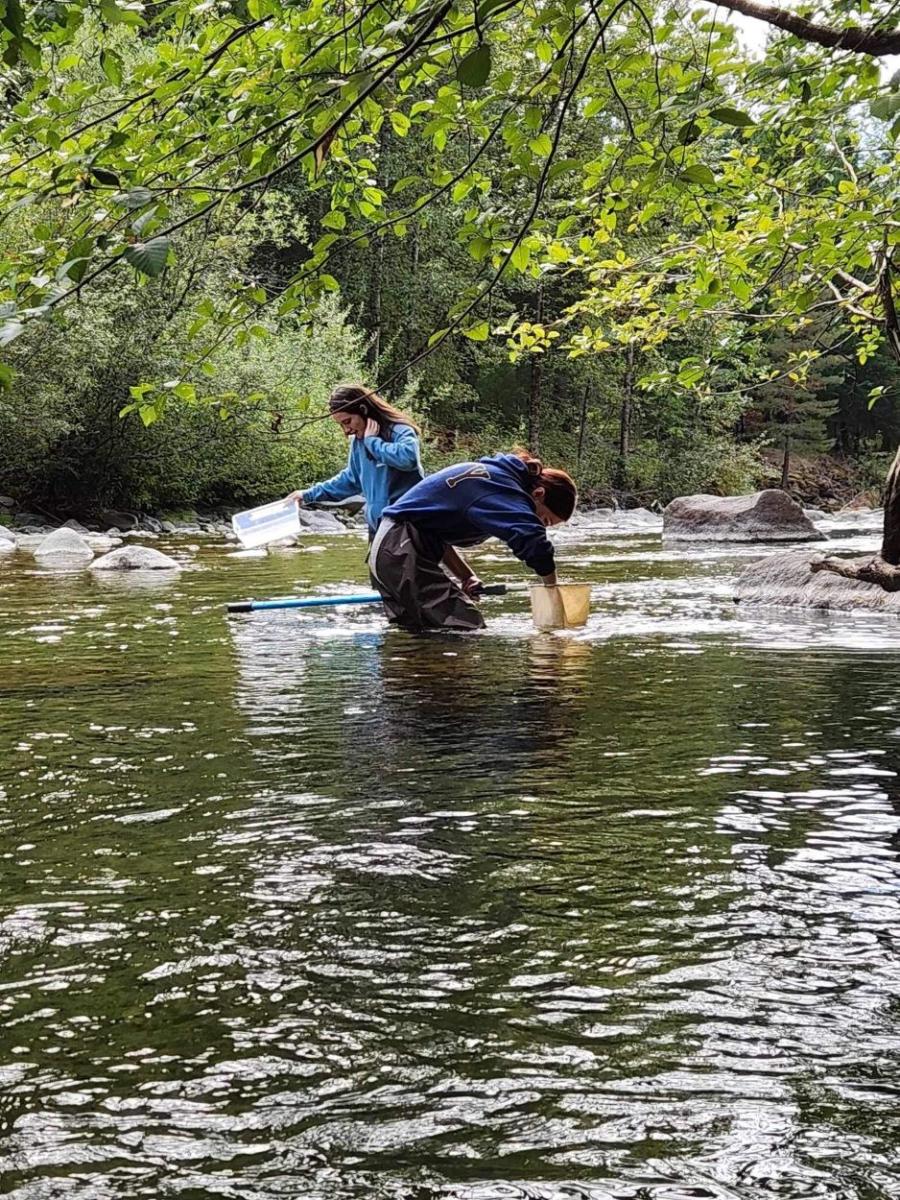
x=7, y=502
x=135, y=558
x=768, y=516
x=63, y=545
x=316, y=521
x=786, y=580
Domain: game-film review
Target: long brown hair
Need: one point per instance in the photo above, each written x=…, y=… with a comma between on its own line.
x=357, y=399
x=560, y=492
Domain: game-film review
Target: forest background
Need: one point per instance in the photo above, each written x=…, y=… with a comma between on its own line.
x=659, y=259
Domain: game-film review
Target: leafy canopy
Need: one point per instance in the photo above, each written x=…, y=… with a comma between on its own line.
x=631, y=147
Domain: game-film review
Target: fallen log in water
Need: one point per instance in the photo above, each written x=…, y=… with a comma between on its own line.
x=797, y=579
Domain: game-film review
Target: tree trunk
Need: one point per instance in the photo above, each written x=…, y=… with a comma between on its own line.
x=534, y=399
x=625, y=419
x=582, y=428
x=884, y=569
x=890, y=542
x=786, y=463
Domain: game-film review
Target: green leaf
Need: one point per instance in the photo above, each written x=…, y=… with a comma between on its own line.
x=436, y=336
x=107, y=178
x=149, y=257
x=137, y=197
x=111, y=65
x=520, y=256
x=885, y=107
x=689, y=132
x=477, y=333
x=334, y=219
x=542, y=145
x=475, y=68
x=732, y=116
x=400, y=123
x=486, y=7
x=9, y=331
x=148, y=413
x=698, y=173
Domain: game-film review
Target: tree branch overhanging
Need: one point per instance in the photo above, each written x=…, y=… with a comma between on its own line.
x=861, y=41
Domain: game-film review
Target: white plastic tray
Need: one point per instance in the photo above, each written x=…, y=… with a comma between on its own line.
x=268, y=523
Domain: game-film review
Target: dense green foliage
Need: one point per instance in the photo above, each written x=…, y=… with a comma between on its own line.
x=605, y=230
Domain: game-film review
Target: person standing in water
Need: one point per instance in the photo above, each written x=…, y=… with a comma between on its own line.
x=384, y=460
x=513, y=497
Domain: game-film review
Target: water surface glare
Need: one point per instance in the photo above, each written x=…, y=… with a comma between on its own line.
x=293, y=905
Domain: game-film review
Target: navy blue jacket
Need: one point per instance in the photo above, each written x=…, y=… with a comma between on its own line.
x=473, y=501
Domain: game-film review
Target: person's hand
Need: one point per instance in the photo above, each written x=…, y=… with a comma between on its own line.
x=297, y=498
x=371, y=429
x=472, y=586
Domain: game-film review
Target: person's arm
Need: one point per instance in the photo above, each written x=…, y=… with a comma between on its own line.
x=516, y=524
x=339, y=487
x=457, y=565
x=402, y=453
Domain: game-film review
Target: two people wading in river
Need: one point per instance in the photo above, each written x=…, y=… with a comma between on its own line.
x=416, y=523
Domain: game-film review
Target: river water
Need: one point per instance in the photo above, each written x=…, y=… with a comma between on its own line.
x=293, y=905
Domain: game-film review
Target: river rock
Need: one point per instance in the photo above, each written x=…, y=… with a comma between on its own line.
x=768, y=516
x=77, y=527
x=27, y=520
x=122, y=521
x=318, y=522
x=7, y=502
x=63, y=545
x=785, y=580
x=135, y=558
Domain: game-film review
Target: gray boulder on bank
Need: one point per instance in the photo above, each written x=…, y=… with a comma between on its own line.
x=113, y=519
x=135, y=558
x=319, y=522
x=767, y=516
x=63, y=545
x=786, y=580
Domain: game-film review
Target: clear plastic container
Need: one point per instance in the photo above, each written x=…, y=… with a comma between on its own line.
x=565, y=606
x=268, y=523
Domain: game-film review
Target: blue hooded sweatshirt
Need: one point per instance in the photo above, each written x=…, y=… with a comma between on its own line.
x=473, y=501
x=382, y=468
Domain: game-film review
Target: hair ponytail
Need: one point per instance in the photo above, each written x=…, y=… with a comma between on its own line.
x=560, y=492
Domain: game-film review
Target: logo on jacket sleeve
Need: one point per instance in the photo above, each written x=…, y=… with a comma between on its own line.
x=476, y=471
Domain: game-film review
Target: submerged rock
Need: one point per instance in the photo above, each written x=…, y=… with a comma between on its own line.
x=786, y=580
x=136, y=558
x=63, y=544
x=768, y=516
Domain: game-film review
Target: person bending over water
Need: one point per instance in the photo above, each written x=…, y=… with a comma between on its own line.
x=384, y=460
x=513, y=497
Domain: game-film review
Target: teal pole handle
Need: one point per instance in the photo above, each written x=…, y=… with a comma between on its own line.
x=493, y=589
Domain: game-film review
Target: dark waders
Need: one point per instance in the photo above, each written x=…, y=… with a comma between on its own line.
x=417, y=592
